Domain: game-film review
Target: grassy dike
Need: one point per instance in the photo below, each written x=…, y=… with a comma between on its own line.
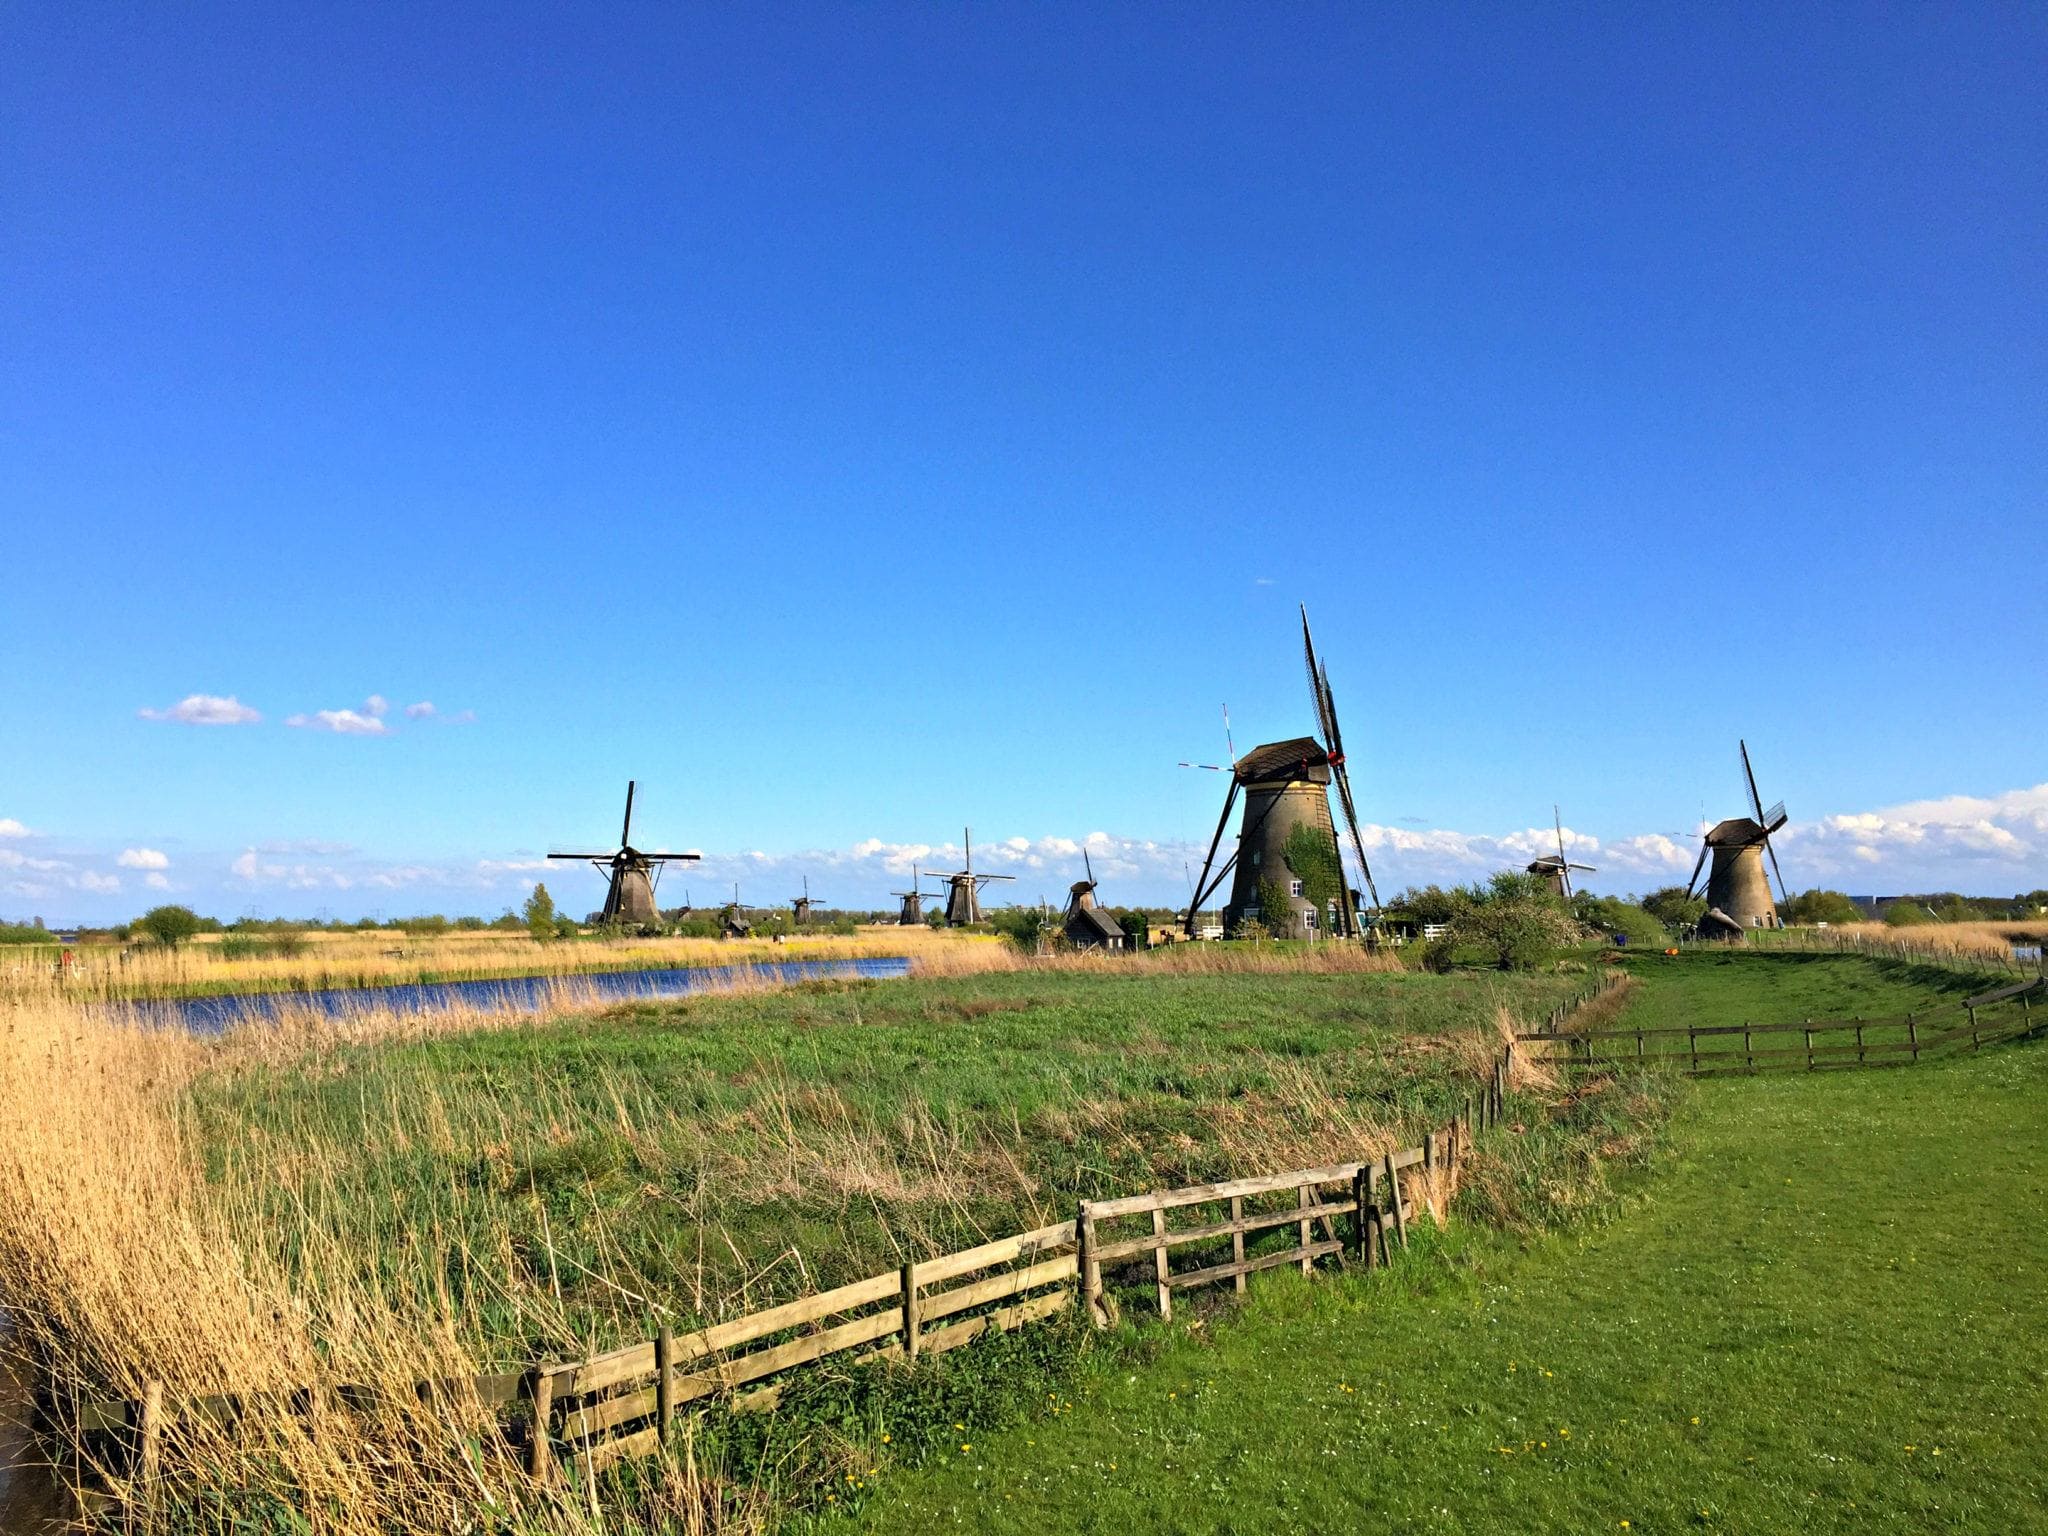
x=1820, y=1312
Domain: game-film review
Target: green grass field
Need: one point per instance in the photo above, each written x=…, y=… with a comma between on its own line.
x=727, y=1152
x=1822, y=1311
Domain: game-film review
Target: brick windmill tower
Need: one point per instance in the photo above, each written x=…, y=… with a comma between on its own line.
x=910, y=914
x=963, y=889
x=632, y=875
x=1286, y=790
x=1738, y=891
x=800, y=906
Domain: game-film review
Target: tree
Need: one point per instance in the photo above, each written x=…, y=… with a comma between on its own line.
x=1819, y=906
x=1623, y=919
x=539, y=913
x=171, y=925
x=1673, y=908
x=1432, y=904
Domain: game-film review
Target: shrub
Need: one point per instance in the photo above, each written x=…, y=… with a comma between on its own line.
x=23, y=933
x=1021, y=926
x=1517, y=919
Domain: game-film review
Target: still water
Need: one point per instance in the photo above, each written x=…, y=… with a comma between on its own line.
x=526, y=994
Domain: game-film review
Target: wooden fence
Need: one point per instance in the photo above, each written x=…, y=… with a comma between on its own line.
x=593, y=1412
x=2005, y=1013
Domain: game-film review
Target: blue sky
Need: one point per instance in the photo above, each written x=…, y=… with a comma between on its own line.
x=857, y=422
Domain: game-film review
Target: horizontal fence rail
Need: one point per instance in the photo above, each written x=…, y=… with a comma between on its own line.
x=1989, y=1018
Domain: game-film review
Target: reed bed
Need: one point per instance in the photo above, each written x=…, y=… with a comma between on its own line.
x=109, y=972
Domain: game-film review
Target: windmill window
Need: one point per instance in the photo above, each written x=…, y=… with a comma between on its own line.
x=1308, y=918
x=1294, y=887
x=1255, y=858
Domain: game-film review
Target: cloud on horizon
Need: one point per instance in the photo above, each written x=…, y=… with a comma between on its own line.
x=1990, y=845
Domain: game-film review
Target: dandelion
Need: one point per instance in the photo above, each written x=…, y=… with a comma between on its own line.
x=1695, y=1418
x=885, y=1438
x=1937, y=1450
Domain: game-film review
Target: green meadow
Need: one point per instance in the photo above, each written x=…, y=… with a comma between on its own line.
x=1818, y=1308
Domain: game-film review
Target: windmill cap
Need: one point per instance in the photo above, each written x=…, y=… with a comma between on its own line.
x=1735, y=832
x=1301, y=758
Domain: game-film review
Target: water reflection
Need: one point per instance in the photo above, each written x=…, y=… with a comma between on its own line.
x=525, y=994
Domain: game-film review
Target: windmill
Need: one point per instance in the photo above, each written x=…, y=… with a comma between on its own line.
x=963, y=889
x=911, y=913
x=801, y=905
x=733, y=920
x=1738, y=892
x=1086, y=925
x=1286, y=787
x=629, y=899
x=1556, y=868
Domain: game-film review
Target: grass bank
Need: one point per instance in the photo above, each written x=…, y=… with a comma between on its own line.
x=1821, y=1314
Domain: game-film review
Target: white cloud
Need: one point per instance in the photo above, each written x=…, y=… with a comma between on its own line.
x=93, y=880
x=376, y=706
x=156, y=882
x=143, y=858
x=343, y=722
x=424, y=710
x=9, y=827
x=1958, y=841
x=205, y=709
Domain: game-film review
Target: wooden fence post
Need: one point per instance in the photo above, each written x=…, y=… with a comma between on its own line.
x=1429, y=1162
x=1394, y=1189
x=1159, y=1262
x=912, y=1323
x=1748, y=1056
x=665, y=1381
x=1913, y=1037
x=1692, y=1040
x=149, y=1439
x=1303, y=1202
x=1858, y=1021
x=1237, y=1242
x=1973, y=1026
x=1091, y=1267
x=1809, y=1045
x=1361, y=1191
x=539, y=1462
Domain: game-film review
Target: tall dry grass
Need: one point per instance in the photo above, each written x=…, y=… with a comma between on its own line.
x=1966, y=941
x=122, y=1262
